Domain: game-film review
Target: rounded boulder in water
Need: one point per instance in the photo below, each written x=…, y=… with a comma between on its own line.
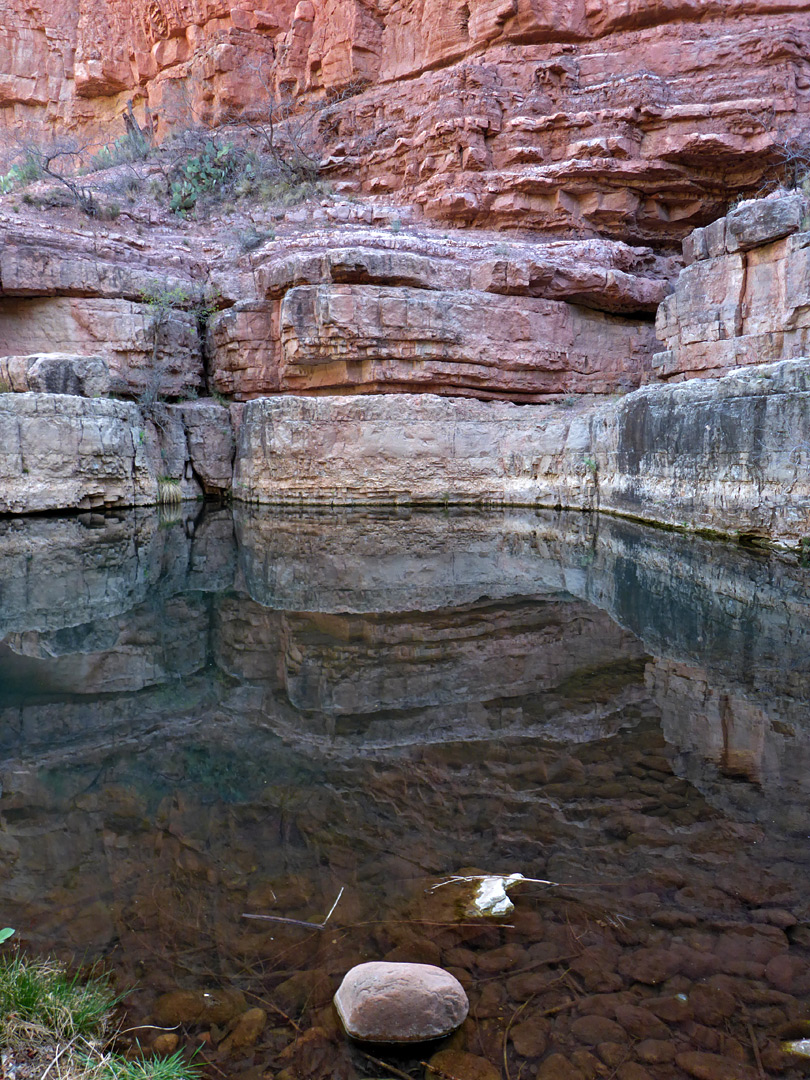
x=392, y=1003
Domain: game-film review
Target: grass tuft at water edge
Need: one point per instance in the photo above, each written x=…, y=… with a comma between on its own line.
x=67, y=1023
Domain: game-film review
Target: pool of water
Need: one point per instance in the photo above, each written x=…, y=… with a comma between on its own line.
x=209, y=715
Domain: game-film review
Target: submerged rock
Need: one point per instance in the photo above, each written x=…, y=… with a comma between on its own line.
x=459, y=1063
x=245, y=1030
x=490, y=896
x=390, y=1002
x=712, y=1067
x=199, y=1006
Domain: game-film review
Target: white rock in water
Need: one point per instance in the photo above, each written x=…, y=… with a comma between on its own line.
x=490, y=896
x=798, y=1046
x=390, y=1003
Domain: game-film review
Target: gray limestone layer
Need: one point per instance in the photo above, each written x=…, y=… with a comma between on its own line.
x=65, y=452
x=730, y=455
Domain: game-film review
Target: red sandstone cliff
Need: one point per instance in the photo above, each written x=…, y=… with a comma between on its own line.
x=601, y=135
x=633, y=119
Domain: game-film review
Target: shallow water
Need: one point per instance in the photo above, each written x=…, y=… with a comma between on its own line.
x=214, y=715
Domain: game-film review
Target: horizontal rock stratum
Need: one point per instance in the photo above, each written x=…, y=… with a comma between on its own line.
x=369, y=312
x=636, y=120
x=62, y=452
x=729, y=454
x=412, y=369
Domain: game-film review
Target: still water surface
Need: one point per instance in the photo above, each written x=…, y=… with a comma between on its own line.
x=219, y=714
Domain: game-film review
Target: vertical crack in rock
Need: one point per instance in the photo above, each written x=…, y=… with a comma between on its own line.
x=739, y=322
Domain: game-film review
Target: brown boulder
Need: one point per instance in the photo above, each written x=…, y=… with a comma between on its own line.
x=391, y=1002
x=530, y=1038
x=597, y=1029
x=558, y=1067
x=641, y=1023
x=712, y=1067
x=464, y=1066
x=198, y=1006
x=245, y=1031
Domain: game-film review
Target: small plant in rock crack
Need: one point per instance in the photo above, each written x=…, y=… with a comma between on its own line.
x=163, y=304
x=168, y=308
x=590, y=464
x=250, y=238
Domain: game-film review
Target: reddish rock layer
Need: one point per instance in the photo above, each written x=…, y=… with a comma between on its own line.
x=370, y=311
x=382, y=313
x=744, y=298
x=85, y=292
x=632, y=119
x=361, y=337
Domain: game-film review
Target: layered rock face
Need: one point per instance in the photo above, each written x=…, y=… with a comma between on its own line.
x=629, y=121
x=378, y=312
x=727, y=453
x=633, y=120
x=62, y=452
x=88, y=317
x=390, y=314
x=104, y=296
x=515, y=321
x=744, y=297
x=699, y=455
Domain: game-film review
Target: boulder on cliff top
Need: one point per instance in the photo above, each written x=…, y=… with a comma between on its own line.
x=391, y=1002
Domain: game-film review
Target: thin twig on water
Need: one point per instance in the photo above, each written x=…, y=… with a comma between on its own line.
x=457, y=880
x=550, y=962
x=147, y=1027
x=755, y=1048
x=439, y=1072
x=280, y=918
x=389, y=1068
x=332, y=908
x=508, y=1028
x=298, y=922
x=558, y=1008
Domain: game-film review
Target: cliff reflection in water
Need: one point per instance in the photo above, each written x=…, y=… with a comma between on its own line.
x=221, y=714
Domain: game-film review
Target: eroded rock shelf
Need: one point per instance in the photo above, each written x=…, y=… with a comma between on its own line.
x=714, y=447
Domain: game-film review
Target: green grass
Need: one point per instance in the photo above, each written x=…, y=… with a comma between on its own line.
x=71, y=1021
x=39, y=994
x=170, y=1068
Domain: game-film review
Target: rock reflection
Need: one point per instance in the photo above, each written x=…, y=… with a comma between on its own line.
x=204, y=717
